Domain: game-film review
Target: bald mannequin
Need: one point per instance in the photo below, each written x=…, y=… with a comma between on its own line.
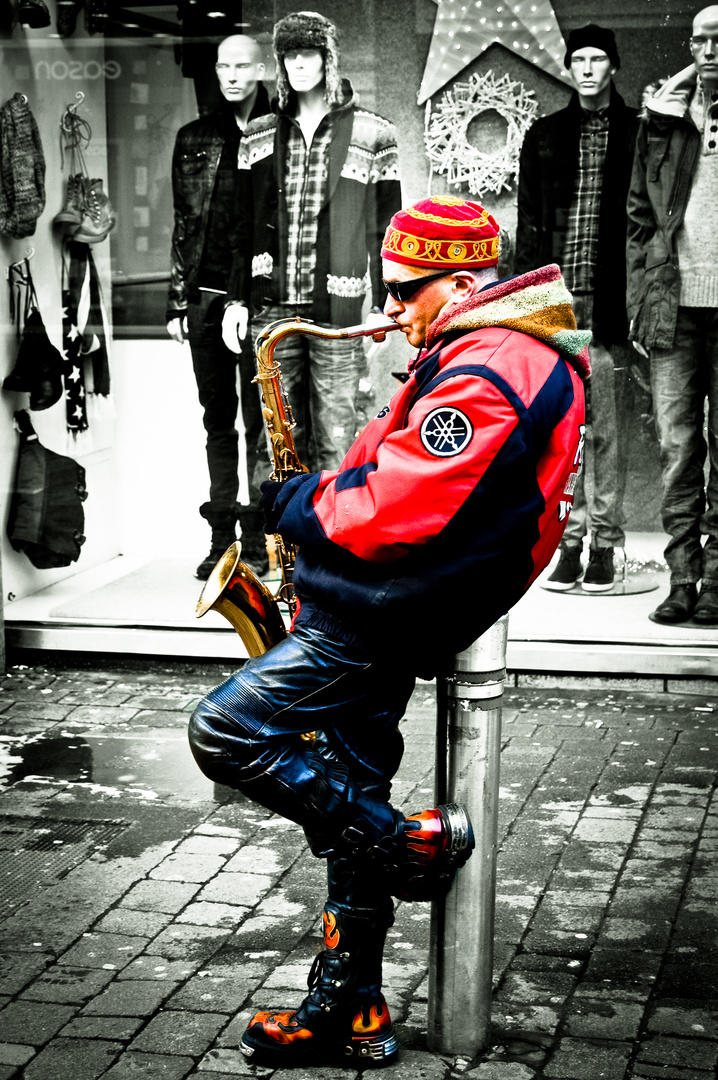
x=704, y=46
x=204, y=184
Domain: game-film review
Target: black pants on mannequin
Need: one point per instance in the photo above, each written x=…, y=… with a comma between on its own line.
x=215, y=369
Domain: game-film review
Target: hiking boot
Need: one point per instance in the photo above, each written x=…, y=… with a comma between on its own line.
x=599, y=572
x=678, y=605
x=71, y=213
x=221, y=540
x=98, y=217
x=566, y=572
x=437, y=843
x=344, y=1017
x=706, y=609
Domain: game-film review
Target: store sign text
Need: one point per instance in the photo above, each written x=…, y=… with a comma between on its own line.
x=76, y=69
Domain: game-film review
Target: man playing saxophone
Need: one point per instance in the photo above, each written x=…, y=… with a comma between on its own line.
x=446, y=508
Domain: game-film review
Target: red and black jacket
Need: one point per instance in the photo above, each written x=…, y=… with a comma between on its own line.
x=450, y=503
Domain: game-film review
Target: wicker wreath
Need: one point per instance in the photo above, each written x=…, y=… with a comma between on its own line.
x=446, y=131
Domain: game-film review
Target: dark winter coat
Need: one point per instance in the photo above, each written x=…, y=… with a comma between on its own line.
x=197, y=153
x=667, y=150
x=363, y=192
x=547, y=181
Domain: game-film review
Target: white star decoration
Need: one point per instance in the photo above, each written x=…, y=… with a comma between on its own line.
x=74, y=375
x=464, y=29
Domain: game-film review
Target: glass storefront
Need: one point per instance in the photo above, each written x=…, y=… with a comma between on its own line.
x=460, y=80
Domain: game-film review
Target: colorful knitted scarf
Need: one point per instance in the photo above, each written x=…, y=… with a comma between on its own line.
x=537, y=303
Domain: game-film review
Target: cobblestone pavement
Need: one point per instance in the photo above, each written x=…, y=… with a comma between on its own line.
x=145, y=915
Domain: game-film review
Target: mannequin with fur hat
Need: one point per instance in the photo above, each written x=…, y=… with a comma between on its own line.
x=321, y=183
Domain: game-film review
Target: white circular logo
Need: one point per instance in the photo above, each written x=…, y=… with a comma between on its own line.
x=445, y=432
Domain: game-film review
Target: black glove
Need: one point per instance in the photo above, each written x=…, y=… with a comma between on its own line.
x=270, y=490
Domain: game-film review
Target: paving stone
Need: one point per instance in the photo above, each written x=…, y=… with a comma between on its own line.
x=501, y=1070
x=180, y=942
x=150, y=1066
x=121, y=1028
x=604, y=1020
x=124, y=920
x=231, y=977
x=694, y=1053
x=67, y=984
x=690, y=1021
x=180, y=1033
x=159, y=969
x=18, y=969
x=206, y=914
x=81, y=1059
x=244, y=889
x=233, y=1063
x=96, y=950
x=587, y=1061
x=15, y=1054
x=203, y=844
x=163, y=896
x=188, y=867
x=31, y=1022
x=129, y=998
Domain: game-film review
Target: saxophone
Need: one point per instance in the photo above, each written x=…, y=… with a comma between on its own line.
x=233, y=588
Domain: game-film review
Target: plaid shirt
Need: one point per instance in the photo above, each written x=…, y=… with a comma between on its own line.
x=579, y=256
x=306, y=188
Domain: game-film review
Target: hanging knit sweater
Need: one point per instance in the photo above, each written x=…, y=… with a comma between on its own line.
x=22, y=169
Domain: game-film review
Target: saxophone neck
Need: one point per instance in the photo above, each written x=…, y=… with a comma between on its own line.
x=272, y=334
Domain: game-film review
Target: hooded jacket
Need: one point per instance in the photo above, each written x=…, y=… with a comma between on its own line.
x=363, y=192
x=196, y=157
x=454, y=498
x=547, y=181
x=667, y=150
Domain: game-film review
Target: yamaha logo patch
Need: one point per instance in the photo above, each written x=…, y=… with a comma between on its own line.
x=445, y=432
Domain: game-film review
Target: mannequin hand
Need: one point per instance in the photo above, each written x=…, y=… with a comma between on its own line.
x=177, y=329
x=234, y=326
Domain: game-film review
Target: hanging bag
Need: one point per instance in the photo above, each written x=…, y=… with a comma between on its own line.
x=38, y=367
x=47, y=517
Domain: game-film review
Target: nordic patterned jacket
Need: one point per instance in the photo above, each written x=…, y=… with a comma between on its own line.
x=454, y=498
x=363, y=192
x=197, y=152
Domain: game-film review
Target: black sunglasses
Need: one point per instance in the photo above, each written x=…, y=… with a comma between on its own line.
x=404, y=290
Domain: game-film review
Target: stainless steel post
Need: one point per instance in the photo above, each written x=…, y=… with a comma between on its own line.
x=467, y=772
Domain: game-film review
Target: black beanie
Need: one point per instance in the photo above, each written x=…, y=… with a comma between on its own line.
x=594, y=35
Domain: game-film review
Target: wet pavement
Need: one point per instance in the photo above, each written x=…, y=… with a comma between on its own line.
x=145, y=914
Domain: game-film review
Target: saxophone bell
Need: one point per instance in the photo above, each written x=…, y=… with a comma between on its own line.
x=236, y=592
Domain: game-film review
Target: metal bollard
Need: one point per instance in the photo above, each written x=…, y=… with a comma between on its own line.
x=468, y=746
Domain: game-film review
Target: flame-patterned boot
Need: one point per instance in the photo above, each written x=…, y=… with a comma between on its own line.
x=437, y=842
x=344, y=1017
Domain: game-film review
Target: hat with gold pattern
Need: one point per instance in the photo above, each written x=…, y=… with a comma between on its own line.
x=442, y=231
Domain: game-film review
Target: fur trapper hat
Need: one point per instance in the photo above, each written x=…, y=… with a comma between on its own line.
x=308, y=30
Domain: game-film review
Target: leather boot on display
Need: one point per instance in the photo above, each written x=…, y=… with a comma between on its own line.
x=344, y=1016
x=98, y=217
x=223, y=524
x=72, y=210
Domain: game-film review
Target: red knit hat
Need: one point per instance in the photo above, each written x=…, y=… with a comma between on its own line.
x=443, y=230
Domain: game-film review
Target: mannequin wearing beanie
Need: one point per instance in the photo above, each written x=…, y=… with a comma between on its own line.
x=574, y=174
x=320, y=183
x=673, y=305
x=443, y=494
